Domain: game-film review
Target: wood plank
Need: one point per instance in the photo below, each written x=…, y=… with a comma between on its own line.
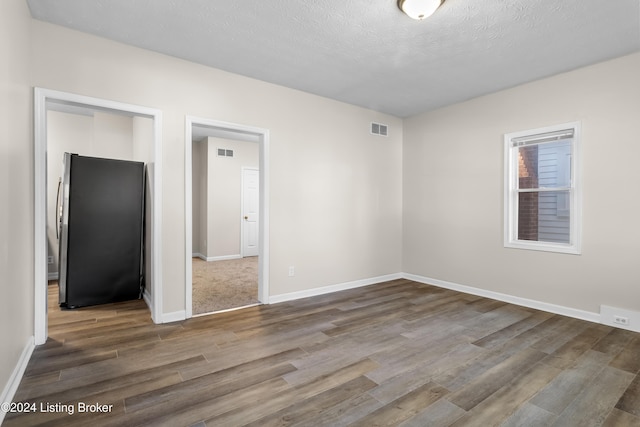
x=531, y=416
x=306, y=411
x=439, y=304
x=399, y=353
x=566, y=354
x=441, y=413
x=112, y=368
x=504, y=402
x=559, y=334
x=502, y=317
x=614, y=342
x=618, y=418
x=404, y=408
x=398, y=378
x=593, y=405
x=570, y=382
x=262, y=347
x=64, y=361
x=274, y=403
x=458, y=375
x=205, y=409
x=345, y=412
x=503, y=335
x=493, y=379
x=246, y=368
x=325, y=362
x=485, y=305
x=628, y=359
x=166, y=400
x=77, y=388
x=630, y=400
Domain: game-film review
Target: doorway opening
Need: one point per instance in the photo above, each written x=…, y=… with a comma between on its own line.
x=225, y=222
x=145, y=124
x=226, y=216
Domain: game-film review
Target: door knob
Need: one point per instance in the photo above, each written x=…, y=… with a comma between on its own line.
x=246, y=217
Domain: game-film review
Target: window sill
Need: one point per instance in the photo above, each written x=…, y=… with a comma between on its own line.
x=544, y=247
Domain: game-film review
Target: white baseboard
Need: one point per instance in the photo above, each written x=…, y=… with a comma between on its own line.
x=605, y=317
x=11, y=387
x=216, y=258
x=274, y=299
x=149, y=301
x=52, y=276
x=538, y=305
x=175, y=316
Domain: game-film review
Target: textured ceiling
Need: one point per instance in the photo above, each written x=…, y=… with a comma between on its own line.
x=366, y=52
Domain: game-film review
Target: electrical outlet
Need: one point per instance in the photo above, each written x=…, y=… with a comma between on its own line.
x=620, y=320
x=50, y=259
x=292, y=271
x=620, y=317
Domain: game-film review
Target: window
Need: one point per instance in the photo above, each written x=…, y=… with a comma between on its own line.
x=542, y=189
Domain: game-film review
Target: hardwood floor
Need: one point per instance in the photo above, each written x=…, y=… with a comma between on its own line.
x=395, y=353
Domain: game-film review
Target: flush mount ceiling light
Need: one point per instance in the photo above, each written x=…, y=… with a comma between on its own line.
x=419, y=9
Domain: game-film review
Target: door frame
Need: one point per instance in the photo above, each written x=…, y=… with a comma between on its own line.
x=263, y=165
x=42, y=97
x=243, y=228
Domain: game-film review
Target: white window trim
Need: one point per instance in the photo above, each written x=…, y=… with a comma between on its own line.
x=510, y=193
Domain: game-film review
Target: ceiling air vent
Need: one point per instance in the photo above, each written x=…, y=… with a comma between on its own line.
x=223, y=152
x=378, y=129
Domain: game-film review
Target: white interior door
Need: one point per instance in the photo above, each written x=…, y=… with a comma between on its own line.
x=250, y=209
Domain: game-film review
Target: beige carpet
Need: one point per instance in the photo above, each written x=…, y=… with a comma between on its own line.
x=220, y=285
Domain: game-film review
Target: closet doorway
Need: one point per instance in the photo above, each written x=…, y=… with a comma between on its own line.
x=226, y=216
x=46, y=100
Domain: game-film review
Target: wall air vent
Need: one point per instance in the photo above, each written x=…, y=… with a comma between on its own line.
x=223, y=152
x=378, y=129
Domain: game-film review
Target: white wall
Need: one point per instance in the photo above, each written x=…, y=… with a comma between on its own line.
x=224, y=194
x=195, y=198
x=335, y=189
x=65, y=132
x=16, y=192
x=200, y=191
x=453, y=190
x=112, y=136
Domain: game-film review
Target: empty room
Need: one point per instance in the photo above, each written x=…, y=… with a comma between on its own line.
x=437, y=229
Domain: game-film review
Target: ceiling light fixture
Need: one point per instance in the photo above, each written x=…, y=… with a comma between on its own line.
x=419, y=9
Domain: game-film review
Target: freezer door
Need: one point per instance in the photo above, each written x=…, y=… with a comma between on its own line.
x=105, y=216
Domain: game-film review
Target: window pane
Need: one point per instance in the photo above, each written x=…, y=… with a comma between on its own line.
x=528, y=166
x=544, y=216
x=545, y=165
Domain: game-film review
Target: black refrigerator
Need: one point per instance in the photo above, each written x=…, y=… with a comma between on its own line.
x=101, y=230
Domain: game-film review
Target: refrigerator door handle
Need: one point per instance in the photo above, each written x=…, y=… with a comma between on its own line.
x=58, y=210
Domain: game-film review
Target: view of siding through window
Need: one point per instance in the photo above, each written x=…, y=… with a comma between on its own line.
x=544, y=215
